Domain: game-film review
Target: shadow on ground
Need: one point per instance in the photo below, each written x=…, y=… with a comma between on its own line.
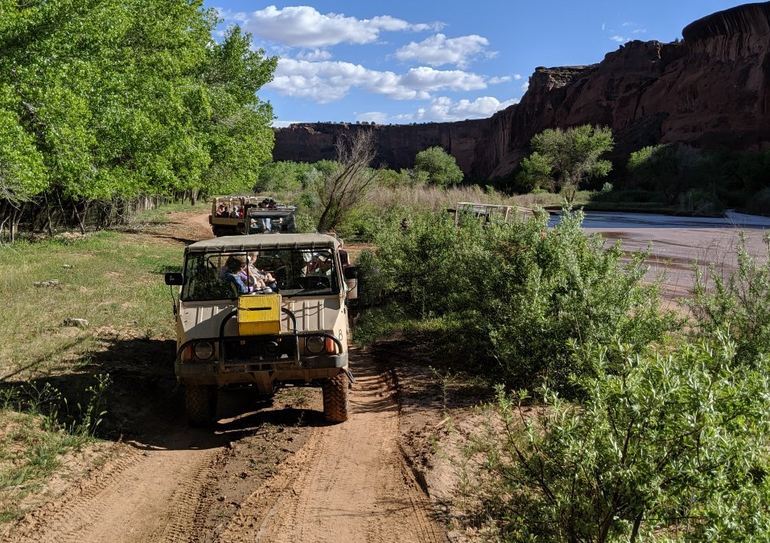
x=142, y=403
x=436, y=379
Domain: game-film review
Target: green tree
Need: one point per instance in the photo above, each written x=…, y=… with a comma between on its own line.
x=238, y=123
x=574, y=154
x=22, y=173
x=535, y=173
x=441, y=167
x=119, y=98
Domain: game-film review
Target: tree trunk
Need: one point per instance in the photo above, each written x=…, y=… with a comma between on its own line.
x=80, y=217
x=49, y=226
x=637, y=525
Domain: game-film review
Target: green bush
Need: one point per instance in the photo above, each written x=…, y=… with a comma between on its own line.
x=437, y=167
x=671, y=448
x=524, y=297
x=760, y=202
x=737, y=305
x=698, y=179
x=629, y=195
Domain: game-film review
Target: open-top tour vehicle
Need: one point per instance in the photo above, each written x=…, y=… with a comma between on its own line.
x=265, y=310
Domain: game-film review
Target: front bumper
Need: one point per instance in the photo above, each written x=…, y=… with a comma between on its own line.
x=305, y=371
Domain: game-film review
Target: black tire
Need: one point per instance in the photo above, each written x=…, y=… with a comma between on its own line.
x=200, y=404
x=335, y=392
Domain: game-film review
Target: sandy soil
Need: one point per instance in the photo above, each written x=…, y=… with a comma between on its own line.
x=674, y=253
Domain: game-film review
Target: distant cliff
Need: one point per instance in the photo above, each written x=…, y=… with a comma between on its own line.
x=709, y=90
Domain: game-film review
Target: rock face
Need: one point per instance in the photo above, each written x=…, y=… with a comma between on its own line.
x=396, y=144
x=708, y=90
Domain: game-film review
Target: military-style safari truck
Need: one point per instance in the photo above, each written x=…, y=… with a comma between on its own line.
x=266, y=310
x=233, y=215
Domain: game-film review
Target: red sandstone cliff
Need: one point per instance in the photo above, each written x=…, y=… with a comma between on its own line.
x=711, y=89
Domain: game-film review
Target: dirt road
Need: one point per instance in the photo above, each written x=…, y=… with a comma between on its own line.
x=348, y=482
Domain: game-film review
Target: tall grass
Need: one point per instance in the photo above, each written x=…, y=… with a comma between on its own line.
x=38, y=425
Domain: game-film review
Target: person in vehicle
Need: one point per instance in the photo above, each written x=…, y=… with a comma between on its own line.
x=267, y=224
x=320, y=264
x=235, y=272
x=265, y=277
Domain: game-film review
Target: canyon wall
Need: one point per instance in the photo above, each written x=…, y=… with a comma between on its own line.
x=708, y=90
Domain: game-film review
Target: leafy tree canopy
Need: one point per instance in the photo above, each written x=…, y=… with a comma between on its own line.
x=568, y=157
x=441, y=167
x=113, y=98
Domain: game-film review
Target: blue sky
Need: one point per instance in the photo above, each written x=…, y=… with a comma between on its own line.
x=430, y=60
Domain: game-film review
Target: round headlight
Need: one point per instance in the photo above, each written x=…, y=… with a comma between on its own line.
x=315, y=344
x=203, y=350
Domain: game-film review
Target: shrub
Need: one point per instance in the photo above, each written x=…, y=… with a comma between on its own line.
x=760, y=202
x=700, y=201
x=737, y=305
x=524, y=297
x=671, y=448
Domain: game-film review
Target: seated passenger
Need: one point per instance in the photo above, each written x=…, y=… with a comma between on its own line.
x=320, y=264
x=234, y=272
x=265, y=277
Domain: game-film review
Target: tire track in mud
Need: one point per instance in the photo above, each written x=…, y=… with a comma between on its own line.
x=348, y=483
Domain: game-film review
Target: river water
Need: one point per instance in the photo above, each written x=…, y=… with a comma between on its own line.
x=677, y=245
x=613, y=220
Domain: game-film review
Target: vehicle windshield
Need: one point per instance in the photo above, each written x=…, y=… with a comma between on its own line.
x=292, y=272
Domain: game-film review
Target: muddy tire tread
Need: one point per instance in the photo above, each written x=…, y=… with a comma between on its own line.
x=335, y=398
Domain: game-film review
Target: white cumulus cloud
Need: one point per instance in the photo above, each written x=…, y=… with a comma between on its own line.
x=438, y=50
x=328, y=81
x=618, y=39
x=444, y=109
x=305, y=26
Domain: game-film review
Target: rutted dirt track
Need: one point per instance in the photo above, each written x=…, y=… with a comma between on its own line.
x=348, y=482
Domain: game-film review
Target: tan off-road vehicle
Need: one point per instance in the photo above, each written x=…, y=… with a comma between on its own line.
x=233, y=215
x=264, y=310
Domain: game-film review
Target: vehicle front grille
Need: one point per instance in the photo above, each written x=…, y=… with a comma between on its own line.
x=240, y=350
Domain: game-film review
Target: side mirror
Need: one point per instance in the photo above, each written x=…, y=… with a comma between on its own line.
x=174, y=278
x=351, y=272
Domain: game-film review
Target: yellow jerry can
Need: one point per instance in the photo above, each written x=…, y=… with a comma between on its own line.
x=259, y=314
